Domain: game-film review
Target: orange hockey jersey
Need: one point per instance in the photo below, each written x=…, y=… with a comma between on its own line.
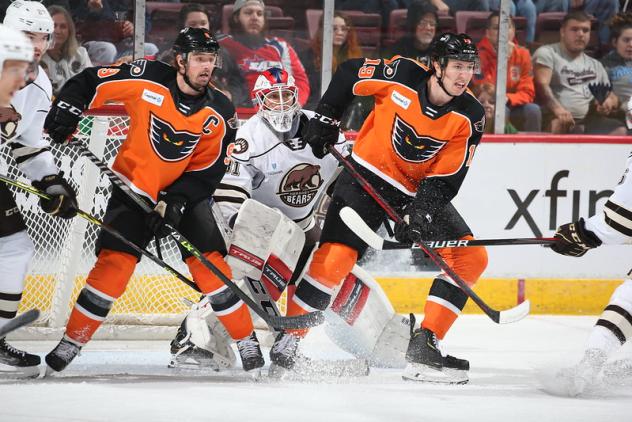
x=173, y=139
x=406, y=139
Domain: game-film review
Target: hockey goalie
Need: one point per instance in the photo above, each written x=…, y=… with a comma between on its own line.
x=268, y=199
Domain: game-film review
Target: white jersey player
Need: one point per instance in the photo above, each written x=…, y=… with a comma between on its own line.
x=272, y=167
x=613, y=226
x=21, y=123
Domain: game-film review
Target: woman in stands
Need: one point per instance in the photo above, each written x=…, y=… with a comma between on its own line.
x=618, y=62
x=253, y=53
x=346, y=47
x=66, y=57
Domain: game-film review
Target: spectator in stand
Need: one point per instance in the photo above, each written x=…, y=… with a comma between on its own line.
x=618, y=62
x=421, y=26
x=563, y=72
x=381, y=7
x=66, y=57
x=95, y=17
x=603, y=10
x=486, y=94
x=253, y=52
x=524, y=8
x=195, y=15
x=345, y=47
x=452, y=6
x=523, y=112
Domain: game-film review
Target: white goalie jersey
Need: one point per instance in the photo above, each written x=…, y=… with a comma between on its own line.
x=25, y=139
x=614, y=224
x=280, y=174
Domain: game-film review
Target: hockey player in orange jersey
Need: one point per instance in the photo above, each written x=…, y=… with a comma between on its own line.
x=174, y=157
x=415, y=148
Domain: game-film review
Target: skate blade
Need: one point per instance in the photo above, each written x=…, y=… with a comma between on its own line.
x=255, y=374
x=19, y=372
x=427, y=374
x=190, y=364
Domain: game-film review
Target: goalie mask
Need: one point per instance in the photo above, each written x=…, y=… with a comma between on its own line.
x=277, y=97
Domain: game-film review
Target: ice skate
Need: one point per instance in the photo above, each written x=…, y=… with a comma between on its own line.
x=618, y=373
x=61, y=356
x=283, y=354
x=576, y=379
x=426, y=363
x=185, y=354
x=16, y=363
x=251, y=356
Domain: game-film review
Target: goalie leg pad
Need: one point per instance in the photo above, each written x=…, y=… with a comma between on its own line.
x=202, y=340
x=259, y=233
x=362, y=322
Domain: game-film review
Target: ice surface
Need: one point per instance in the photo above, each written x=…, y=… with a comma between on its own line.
x=129, y=381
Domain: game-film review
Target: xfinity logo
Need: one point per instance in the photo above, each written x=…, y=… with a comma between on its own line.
x=556, y=196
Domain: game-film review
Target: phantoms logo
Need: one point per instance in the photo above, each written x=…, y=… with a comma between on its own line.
x=299, y=186
x=412, y=147
x=171, y=144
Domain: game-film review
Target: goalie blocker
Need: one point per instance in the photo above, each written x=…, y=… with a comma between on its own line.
x=264, y=248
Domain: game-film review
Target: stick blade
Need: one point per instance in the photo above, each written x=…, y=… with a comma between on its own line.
x=360, y=228
x=309, y=320
x=514, y=314
x=19, y=321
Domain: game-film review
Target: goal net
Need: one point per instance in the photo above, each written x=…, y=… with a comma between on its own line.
x=152, y=306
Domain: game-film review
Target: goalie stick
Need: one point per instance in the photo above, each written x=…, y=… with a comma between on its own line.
x=92, y=219
x=500, y=317
x=19, y=321
x=374, y=240
x=301, y=321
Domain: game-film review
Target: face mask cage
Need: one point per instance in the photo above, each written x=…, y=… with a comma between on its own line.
x=278, y=106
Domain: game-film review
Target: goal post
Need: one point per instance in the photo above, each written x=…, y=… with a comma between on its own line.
x=152, y=305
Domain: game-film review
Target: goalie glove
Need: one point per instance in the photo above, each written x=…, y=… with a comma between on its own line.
x=322, y=130
x=168, y=211
x=573, y=239
x=62, y=120
x=63, y=201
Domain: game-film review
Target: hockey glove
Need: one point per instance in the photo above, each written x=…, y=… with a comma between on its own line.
x=168, y=211
x=573, y=239
x=62, y=120
x=63, y=201
x=322, y=130
x=8, y=114
x=415, y=227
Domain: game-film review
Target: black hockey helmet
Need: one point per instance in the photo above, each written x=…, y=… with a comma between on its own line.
x=457, y=47
x=198, y=40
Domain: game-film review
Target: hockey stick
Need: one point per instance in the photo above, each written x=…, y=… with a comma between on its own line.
x=92, y=219
x=374, y=240
x=500, y=317
x=300, y=321
x=19, y=321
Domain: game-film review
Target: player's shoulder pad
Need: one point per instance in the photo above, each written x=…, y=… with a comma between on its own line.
x=155, y=71
x=473, y=110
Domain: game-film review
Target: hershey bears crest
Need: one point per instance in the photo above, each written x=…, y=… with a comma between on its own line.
x=411, y=146
x=299, y=185
x=9, y=119
x=171, y=144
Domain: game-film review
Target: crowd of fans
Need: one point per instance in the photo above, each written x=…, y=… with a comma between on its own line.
x=549, y=87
